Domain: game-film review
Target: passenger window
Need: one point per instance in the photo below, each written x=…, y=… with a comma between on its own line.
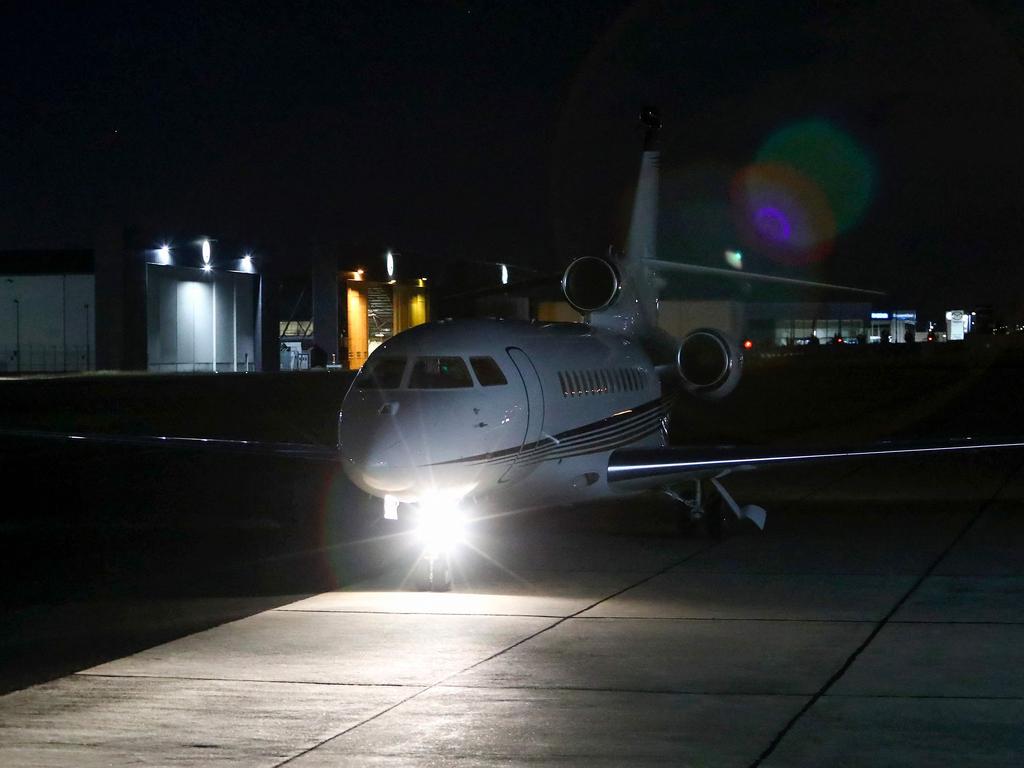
x=381, y=373
x=439, y=373
x=487, y=372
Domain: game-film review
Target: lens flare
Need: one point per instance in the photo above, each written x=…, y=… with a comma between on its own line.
x=773, y=224
x=831, y=159
x=783, y=213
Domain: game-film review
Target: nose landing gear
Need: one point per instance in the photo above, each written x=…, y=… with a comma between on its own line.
x=434, y=572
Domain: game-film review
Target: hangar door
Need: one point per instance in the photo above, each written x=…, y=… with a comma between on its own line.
x=200, y=321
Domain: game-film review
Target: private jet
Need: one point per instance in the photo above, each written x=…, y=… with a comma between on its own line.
x=450, y=417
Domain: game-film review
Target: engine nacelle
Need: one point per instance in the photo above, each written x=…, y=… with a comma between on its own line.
x=591, y=284
x=709, y=363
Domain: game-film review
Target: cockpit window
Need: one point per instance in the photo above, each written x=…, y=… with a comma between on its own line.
x=439, y=373
x=381, y=373
x=487, y=372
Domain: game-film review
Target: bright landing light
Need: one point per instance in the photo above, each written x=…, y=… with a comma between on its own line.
x=164, y=254
x=441, y=523
x=206, y=251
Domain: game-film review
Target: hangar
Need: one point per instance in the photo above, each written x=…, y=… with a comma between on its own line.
x=124, y=304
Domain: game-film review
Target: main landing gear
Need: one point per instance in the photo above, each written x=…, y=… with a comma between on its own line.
x=712, y=509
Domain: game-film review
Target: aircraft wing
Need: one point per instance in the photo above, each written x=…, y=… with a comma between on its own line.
x=732, y=274
x=303, y=451
x=633, y=469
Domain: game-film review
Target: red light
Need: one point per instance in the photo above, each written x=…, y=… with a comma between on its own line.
x=748, y=344
x=839, y=340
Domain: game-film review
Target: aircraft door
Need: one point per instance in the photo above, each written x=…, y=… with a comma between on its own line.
x=534, y=409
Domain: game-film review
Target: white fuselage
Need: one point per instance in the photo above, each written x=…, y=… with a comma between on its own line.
x=429, y=415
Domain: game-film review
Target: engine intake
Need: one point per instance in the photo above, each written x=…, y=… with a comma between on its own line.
x=591, y=284
x=709, y=363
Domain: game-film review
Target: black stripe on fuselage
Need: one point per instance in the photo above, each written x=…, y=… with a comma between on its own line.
x=645, y=418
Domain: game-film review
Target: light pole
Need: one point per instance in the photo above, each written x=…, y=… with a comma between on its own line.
x=87, y=350
x=17, y=333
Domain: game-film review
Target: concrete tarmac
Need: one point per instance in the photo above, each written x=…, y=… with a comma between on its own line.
x=878, y=620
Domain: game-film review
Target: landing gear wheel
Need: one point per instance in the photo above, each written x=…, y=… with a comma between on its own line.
x=716, y=515
x=434, y=574
x=686, y=524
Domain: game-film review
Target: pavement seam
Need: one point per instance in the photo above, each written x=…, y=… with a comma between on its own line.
x=726, y=694
x=126, y=676
x=495, y=655
x=426, y=613
x=838, y=674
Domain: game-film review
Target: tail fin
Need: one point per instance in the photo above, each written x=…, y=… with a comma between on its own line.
x=636, y=311
x=643, y=226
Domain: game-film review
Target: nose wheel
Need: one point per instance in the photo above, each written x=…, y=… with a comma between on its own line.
x=434, y=572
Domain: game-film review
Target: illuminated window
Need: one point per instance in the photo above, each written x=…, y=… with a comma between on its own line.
x=381, y=373
x=439, y=373
x=487, y=372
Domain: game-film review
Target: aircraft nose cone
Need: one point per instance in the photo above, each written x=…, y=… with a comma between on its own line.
x=380, y=464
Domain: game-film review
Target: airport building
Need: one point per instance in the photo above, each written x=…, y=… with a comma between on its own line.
x=354, y=310
x=47, y=310
x=197, y=306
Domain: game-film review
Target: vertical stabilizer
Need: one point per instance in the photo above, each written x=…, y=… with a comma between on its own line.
x=643, y=225
x=636, y=311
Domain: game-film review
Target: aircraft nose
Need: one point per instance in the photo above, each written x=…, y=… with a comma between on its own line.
x=379, y=462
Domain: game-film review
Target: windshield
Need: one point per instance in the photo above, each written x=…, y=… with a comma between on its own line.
x=439, y=373
x=381, y=373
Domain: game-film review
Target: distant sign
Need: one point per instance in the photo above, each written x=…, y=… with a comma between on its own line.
x=879, y=315
x=956, y=324
x=905, y=315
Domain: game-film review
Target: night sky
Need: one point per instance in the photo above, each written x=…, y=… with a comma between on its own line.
x=874, y=143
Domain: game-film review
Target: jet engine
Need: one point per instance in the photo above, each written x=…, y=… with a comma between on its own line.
x=709, y=363
x=591, y=284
